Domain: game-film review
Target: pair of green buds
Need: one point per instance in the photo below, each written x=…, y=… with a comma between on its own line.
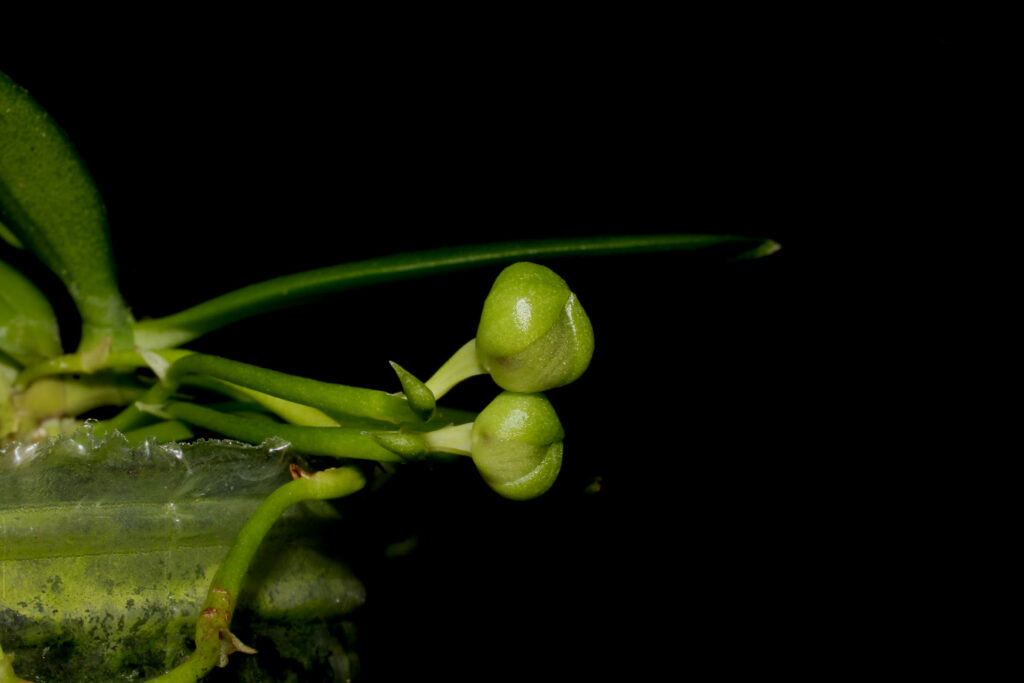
x=533, y=336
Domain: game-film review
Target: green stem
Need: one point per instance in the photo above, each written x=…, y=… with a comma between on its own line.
x=339, y=442
x=82, y=363
x=76, y=363
x=333, y=399
x=298, y=414
x=289, y=411
x=288, y=290
x=454, y=439
x=51, y=396
x=214, y=640
x=163, y=432
x=462, y=365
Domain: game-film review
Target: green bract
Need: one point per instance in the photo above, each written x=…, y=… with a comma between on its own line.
x=534, y=335
x=517, y=445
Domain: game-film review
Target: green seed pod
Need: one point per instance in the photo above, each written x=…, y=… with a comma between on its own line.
x=534, y=335
x=517, y=445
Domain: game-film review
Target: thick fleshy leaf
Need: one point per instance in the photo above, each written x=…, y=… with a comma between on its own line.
x=50, y=204
x=28, y=326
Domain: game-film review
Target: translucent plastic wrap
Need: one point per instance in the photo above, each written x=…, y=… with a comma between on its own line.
x=106, y=554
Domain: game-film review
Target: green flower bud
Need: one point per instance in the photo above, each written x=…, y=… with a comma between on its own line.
x=517, y=445
x=533, y=334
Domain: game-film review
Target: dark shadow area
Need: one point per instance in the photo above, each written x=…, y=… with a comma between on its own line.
x=701, y=517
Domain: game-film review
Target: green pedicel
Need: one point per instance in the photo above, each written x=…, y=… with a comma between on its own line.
x=533, y=335
x=515, y=443
x=214, y=641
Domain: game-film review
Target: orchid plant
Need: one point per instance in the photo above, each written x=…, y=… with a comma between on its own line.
x=130, y=398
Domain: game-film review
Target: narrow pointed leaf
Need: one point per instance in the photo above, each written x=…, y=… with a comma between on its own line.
x=288, y=290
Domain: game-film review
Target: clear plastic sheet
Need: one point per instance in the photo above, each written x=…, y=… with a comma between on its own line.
x=89, y=496
x=106, y=551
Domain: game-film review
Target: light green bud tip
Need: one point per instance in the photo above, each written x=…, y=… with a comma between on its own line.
x=517, y=445
x=534, y=335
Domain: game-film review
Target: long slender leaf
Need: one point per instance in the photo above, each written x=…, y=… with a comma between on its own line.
x=277, y=293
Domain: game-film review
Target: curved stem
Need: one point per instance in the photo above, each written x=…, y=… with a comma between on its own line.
x=82, y=363
x=338, y=442
x=179, y=328
x=462, y=365
x=163, y=432
x=214, y=640
x=454, y=439
x=76, y=363
x=331, y=398
x=305, y=416
x=52, y=396
x=289, y=411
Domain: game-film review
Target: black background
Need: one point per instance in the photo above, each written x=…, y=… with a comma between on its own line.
x=727, y=528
